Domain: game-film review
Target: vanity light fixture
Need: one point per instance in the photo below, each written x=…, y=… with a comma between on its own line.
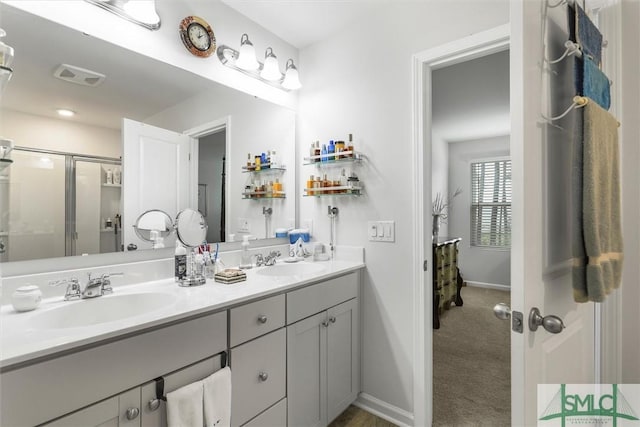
x=291, y=79
x=269, y=72
x=141, y=12
x=247, y=55
x=65, y=113
x=6, y=58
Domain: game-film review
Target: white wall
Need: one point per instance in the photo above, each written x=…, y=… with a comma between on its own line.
x=359, y=81
x=476, y=264
x=210, y=153
x=27, y=130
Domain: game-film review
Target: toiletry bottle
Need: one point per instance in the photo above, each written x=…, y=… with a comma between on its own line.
x=312, y=152
x=180, y=262
x=323, y=153
x=277, y=188
x=117, y=176
x=275, y=161
x=331, y=149
x=310, y=186
x=257, y=162
x=264, y=162
x=350, y=145
x=317, y=152
x=249, y=163
x=109, y=176
x=245, y=262
x=317, y=185
x=339, y=149
x=343, y=181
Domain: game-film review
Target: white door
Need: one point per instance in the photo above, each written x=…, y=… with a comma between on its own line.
x=155, y=174
x=537, y=278
x=541, y=250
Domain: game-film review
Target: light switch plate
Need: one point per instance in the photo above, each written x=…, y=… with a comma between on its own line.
x=381, y=231
x=243, y=225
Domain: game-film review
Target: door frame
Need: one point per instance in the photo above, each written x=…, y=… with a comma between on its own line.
x=197, y=132
x=423, y=63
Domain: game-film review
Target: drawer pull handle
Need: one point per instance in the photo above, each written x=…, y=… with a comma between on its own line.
x=262, y=318
x=332, y=319
x=132, y=413
x=263, y=376
x=154, y=404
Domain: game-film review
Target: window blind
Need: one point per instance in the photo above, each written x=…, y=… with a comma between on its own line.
x=491, y=203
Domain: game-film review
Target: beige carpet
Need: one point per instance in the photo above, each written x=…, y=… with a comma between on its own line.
x=471, y=363
x=356, y=417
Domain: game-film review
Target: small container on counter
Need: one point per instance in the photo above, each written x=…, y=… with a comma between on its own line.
x=26, y=298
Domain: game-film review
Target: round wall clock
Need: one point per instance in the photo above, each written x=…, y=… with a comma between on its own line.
x=197, y=36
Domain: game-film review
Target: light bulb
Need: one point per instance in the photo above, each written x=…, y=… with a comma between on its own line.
x=247, y=55
x=142, y=10
x=270, y=69
x=291, y=77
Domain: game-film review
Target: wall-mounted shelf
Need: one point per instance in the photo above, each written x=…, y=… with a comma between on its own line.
x=342, y=190
x=263, y=168
x=329, y=159
x=112, y=185
x=257, y=195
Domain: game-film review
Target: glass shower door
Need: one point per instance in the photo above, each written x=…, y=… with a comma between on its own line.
x=32, y=181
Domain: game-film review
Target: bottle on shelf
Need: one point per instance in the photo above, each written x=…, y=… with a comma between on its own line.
x=312, y=152
x=109, y=179
x=274, y=160
x=331, y=149
x=264, y=162
x=249, y=162
x=317, y=152
x=258, y=161
x=277, y=188
x=350, y=147
x=340, y=147
x=323, y=153
x=310, y=184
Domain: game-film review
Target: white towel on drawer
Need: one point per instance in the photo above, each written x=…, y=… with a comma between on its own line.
x=217, y=399
x=185, y=406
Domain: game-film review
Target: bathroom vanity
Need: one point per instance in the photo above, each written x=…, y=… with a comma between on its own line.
x=289, y=333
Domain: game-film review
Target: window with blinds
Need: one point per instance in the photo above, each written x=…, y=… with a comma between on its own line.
x=491, y=203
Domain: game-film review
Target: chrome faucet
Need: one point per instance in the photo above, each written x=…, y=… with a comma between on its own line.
x=269, y=259
x=95, y=287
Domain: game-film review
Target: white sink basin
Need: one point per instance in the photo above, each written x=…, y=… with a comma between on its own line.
x=293, y=269
x=98, y=310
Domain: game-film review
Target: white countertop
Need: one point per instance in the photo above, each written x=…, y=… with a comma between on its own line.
x=22, y=340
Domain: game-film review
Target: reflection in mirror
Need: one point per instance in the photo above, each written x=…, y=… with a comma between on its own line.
x=144, y=90
x=191, y=228
x=153, y=226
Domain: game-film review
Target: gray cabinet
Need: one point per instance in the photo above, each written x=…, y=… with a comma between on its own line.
x=118, y=411
x=323, y=356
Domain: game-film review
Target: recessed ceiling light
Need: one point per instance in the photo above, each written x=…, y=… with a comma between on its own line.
x=65, y=113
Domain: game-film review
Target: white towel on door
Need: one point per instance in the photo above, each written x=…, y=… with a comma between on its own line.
x=185, y=406
x=217, y=399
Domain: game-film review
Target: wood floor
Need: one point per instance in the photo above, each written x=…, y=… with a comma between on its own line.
x=356, y=417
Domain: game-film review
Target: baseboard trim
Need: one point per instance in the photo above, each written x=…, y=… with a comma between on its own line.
x=489, y=285
x=384, y=410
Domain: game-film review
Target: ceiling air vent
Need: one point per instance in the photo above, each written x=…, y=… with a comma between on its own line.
x=79, y=76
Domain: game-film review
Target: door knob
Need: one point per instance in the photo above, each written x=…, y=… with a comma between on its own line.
x=502, y=311
x=552, y=324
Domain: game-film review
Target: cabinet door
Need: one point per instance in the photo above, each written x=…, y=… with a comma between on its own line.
x=307, y=372
x=343, y=379
x=112, y=412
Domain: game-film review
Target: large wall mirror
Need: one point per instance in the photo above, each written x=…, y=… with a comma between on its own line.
x=77, y=184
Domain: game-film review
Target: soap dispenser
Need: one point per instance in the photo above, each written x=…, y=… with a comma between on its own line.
x=245, y=262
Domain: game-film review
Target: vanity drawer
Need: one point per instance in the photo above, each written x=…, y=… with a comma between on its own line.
x=252, y=390
x=276, y=416
x=258, y=318
x=313, y=299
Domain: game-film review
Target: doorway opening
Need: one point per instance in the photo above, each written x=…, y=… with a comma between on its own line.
x=471, y=193
x=212, y=169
